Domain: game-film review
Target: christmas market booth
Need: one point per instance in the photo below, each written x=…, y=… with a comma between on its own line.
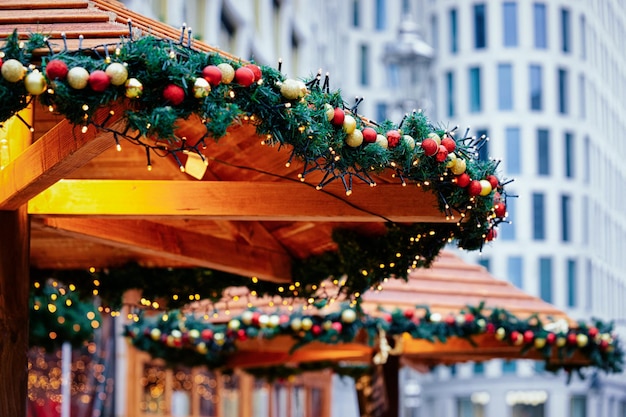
x=134, y=157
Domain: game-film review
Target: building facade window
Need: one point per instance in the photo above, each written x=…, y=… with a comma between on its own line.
x=485, y=263
x=507, y=231
x=381, y=15
x=480, y=26
x=356, y=13
x=583, y=38
x=454, y=31
x=509, y=23
x=540, y=26
x=515, y=270
x=381, y=110
x=475, y=104
x=587, y=157
x=578, y=406
x=509, y=367
x=572, y=283
x=588, y=285
x=364, y=72
x=513, y=150
x=468, y=408
x=536, y=87
x=539, y=216
x=582, y=96
x=505, y=87
x=563, y=91
x=450, y=108
x=569, y=154
x=528, y=410
x=566, y=31
x=566, y=218
x=543, y=152
x=434, y=32
x=545, y=279
x=479, y=368
x=228, y=32
x=483, y=151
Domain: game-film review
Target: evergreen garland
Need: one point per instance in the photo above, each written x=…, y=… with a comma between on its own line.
x=195, y=341
x=285, y=112
x=58, y=315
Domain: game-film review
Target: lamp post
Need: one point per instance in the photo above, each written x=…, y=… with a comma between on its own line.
x=408, y=61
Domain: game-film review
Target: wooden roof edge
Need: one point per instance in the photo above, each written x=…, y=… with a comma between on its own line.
x=121, y=14
x=120, y=18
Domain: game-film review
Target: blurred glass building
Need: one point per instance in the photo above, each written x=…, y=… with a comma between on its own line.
x=545, y=80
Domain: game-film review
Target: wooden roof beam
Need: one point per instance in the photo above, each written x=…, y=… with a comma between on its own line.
x=59, y=152
x=235, y=200
x=181, y=246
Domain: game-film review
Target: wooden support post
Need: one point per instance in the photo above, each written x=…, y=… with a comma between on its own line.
x=14, y=285
x=391, y=372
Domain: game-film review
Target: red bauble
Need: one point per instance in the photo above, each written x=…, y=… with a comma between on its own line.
x=442, y=153
x=174, y=94
x=316, y=330
x=516, y=336
x=408, y=313
x=56, y=70
x=255, y=318
x=491, y=234
x=490, y=328
x=463, y=180
x=244, y=76
x=571, y=339
x=550, y=338
x=369, y=135
x=338, y=117
x=241, y=335
x=450, y=320
x=593, y=332
x=449, y=143
x=336, y=326
x=493, y=180
x=604, y=345
x=529, y=336
x=206, y=334
x=469, y=317
x=99, y=81
x=430, y=147
x=393, y=138
x=500, y=209
x=212, y=74
x=255, y=70
x=474, y=188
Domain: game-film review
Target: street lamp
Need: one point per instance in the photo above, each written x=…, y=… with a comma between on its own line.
x=408, y=60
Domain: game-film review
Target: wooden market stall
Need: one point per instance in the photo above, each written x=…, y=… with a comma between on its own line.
x=102, y=169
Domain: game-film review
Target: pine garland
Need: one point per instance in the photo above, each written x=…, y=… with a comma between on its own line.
x=195, y=341
x=58, y=315
x=287, y=112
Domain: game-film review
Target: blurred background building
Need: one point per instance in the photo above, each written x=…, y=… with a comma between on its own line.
x=546, y=81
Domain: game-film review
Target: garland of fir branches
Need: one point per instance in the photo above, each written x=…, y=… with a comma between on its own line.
x=300, y=121
x=58, y=314
x=184, y=338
